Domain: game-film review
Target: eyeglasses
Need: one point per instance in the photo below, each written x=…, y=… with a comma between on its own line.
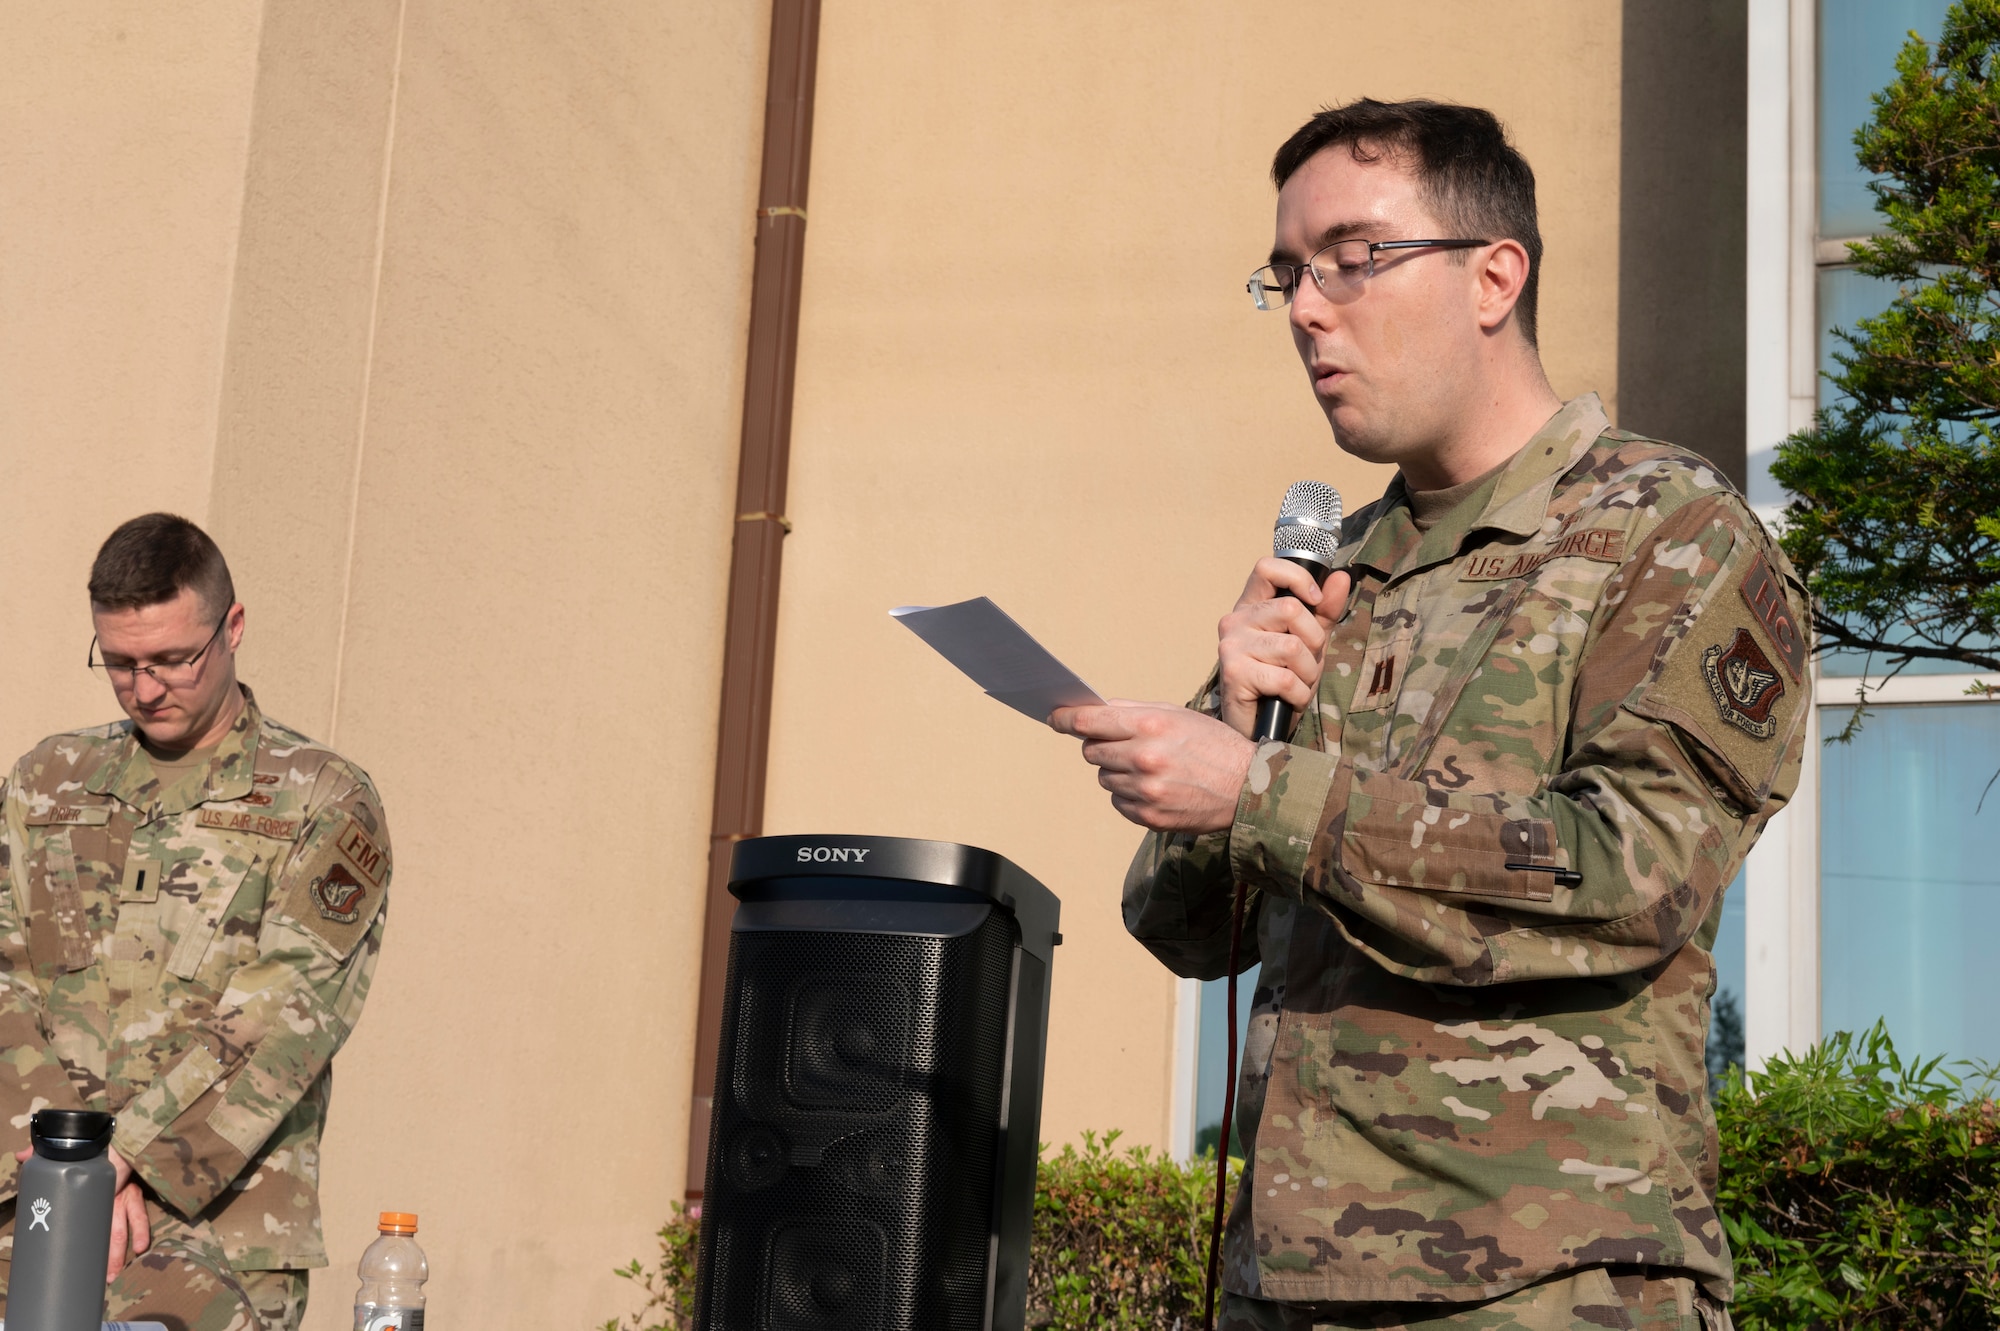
x=171, y=674
x=1340, y=269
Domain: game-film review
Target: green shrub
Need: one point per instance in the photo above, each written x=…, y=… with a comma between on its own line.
x=1859, y=1190
x=1120, y=1241
x=669, y=1282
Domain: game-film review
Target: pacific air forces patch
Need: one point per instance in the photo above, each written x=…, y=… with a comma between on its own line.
x=336, y=888
x=1744, y=684
x=338, y=895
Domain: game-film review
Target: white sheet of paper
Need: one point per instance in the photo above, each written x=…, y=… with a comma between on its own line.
x=983, y=640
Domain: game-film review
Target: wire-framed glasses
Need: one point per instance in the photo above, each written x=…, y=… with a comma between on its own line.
x=172, y=674
x=1340, y=269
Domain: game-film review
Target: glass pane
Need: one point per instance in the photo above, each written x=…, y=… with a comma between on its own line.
x=1858, y=41
x=1845, y=298
x=1725, y=1022
x=1910, y=877
x=1212, y=1053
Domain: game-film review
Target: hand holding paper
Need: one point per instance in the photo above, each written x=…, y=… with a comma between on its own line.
x=983, y=640
x=1167, y=768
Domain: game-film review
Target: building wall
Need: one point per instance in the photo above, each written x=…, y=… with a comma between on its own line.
x=1681, y=246
x=433, y=313
x=1028, y=369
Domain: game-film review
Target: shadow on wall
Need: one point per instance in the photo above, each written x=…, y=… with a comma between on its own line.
x=1680, y=248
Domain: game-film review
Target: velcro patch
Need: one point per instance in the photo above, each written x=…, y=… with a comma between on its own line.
x=248, y=820
x=334, y=892
x=89, y=815
x=1744, y=684
x=363, y=854
x=1722, y=689
x=338, y=894
x=1597, y=543
x=1764, y=592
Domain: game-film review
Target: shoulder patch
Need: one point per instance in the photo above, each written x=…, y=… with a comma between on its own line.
x=334, y=891
x=1764, y=592
x=1744, y=684
x=1725, y=688
x=364, y=855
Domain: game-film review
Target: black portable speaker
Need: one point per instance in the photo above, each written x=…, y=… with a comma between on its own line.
x=878, y=1090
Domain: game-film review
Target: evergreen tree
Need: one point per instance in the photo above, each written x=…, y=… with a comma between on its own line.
x=1896, y=518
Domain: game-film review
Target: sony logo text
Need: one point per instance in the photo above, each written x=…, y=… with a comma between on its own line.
x=833, y=854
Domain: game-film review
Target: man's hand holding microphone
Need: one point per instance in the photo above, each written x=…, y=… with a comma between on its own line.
x=1172, y=769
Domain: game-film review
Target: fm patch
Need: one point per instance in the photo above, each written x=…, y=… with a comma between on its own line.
x=363, y=854
x=1744, y=683
x=338, y=894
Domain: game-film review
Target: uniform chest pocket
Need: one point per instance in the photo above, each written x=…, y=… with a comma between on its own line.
x=69, y=848
x=194, y=903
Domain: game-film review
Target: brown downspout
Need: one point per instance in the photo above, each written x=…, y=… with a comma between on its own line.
x=750, y=642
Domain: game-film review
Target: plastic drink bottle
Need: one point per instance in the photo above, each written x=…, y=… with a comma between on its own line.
x=393, y=1271
x=62, y=1228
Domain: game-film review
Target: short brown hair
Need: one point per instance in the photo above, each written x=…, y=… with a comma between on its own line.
x=1473, y=180
x=154, y=558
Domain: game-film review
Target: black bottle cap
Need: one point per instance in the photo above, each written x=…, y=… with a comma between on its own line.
x=70, y=1134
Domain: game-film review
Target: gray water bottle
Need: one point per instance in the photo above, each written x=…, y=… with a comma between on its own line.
x=62, y=1224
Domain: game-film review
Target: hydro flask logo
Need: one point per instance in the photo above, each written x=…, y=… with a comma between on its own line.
x=40, y=1211
x=833, y=854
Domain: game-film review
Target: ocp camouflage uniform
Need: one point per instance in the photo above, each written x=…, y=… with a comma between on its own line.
x=188, y=954
x=1483, y=880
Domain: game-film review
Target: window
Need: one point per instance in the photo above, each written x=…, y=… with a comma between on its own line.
x=1212, y=1055
x=1910, y=876
x=1725, y=1016
x=1858, y=41
x=1909, y=860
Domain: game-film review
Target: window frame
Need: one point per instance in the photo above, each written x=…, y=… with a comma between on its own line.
x=1785, y=256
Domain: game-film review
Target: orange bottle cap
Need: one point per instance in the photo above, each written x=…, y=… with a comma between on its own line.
x=397, y=1222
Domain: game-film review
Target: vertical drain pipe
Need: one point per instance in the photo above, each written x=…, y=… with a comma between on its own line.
x=750, y=642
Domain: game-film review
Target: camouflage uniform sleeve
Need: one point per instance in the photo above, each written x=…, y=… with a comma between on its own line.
x=282, y=1015
x=1667, y=777
x=33, y=1076
x=1178, y=893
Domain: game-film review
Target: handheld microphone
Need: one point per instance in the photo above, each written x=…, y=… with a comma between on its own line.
x=1307, y=533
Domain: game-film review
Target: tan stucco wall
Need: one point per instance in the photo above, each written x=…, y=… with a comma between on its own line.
x=433, y=313
x=122, y=135
x=1028, y=370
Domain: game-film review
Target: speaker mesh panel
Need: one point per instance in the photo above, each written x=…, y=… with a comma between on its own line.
x=856, y=1131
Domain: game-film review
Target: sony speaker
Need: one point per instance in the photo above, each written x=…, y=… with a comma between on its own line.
x=878, y=1090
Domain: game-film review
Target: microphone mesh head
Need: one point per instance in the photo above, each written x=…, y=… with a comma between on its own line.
x=1308, y=523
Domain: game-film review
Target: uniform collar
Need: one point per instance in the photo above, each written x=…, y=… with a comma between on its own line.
x=1517, y=500
x=129, y=776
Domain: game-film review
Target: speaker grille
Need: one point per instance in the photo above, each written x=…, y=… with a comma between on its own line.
x=856, y=1133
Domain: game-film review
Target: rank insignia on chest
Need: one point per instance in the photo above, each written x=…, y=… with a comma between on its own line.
x=1744, y=683
x=338, y=894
